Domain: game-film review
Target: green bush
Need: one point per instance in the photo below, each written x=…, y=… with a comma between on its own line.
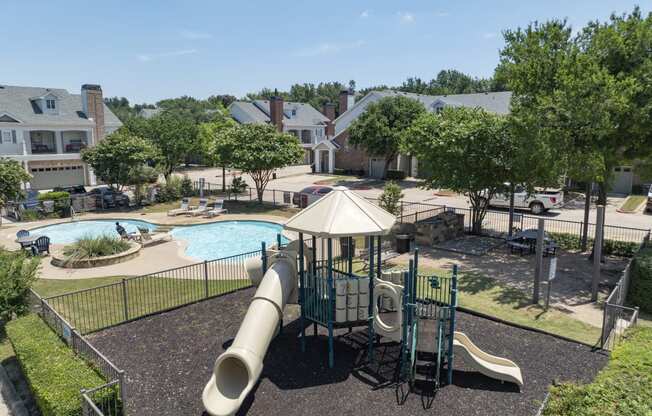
x=395, y=174
x=90, y=247
x=53, y=196
x=30, y=215
x=170, y=191
x=186, y=187
x=338, y=171
x=571, y=242
x=640, y=289
x=54, y=373
x=17, y=273
x=390, y=199
x=622, y=388
x=238, y=185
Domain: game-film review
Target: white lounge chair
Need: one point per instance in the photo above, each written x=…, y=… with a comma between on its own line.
x=218, y=208
x=201, y=209
x=149, y=239
x=185, y=207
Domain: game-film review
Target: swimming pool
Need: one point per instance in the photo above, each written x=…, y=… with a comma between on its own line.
x=226, y=238
x=69, y=232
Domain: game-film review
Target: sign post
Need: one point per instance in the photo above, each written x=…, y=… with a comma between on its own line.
x=201, y=187
x=552, y=274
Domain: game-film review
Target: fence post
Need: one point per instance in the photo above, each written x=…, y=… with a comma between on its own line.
x=124, y=298
x=584, y=232
x=250, y=193
x=538, y=266
x=264, y=256
x=206, y=279
x=597, y=253
x=123, y=394
x=274, y=197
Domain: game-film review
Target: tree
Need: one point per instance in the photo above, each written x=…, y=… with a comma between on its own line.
x=17, y=273
x=380, y=129
x=218, y=145
x=391, y=197
x=12, y=178
x=138, y=177
x=174, y=135
x=116, y=156
x=259, y=150
x=465, y=150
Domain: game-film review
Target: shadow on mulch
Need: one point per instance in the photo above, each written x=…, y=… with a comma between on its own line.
x=168, y=358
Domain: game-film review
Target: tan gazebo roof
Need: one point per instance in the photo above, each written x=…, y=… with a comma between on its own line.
x=342, y=213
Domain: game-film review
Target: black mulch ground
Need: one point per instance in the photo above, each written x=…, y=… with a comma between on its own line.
x=169, y=357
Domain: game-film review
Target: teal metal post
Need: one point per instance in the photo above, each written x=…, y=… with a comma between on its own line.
x=302, y=294
x=404, y=330
x=379, y=262
x=453, y=306
x=264, y=256
x=350, y=254
x=331, y=305
x=370, y=324
x=314, y=256
x=278, y=241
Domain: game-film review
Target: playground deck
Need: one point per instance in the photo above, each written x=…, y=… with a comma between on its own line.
x=169, y=357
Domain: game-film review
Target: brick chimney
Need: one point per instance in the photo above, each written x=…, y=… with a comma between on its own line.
x=276, y=111
x=329, y=112
x=93, y=107
x=346, y=100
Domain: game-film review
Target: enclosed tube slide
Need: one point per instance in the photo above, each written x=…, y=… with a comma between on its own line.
x=237, y=370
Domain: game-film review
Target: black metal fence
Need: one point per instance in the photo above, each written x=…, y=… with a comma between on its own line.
x=104, y=306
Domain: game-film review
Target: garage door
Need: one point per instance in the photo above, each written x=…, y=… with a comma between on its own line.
x=377, y=168
x=622, y=180
x=49, y=177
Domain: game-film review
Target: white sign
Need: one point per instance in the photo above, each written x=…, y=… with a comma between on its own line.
x=552, y=273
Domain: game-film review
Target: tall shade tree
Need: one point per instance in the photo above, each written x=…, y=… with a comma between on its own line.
x=381, y=128
x=12, y=177
x=115, y=157
x=174, y=135
x=259, y=150
x=217, y=143
x=465, y=150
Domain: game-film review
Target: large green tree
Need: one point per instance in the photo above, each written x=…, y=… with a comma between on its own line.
x=12, y=178
x=115, y=157
x=259, y=149
x=217, y=141
x=381, y=128
x=174, y=135
x=467, y=150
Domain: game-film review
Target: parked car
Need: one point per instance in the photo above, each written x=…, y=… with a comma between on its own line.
x=309, y=195
x=541, y=200
x=72, y=190
x=107, y=197
x=648, y=205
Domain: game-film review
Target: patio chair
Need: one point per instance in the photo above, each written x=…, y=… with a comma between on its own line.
x=517, y=244
x=41, y=245
x=22, y=233
x=150, y=239
x=201, y=209
x=183, y=209
x=218, y=208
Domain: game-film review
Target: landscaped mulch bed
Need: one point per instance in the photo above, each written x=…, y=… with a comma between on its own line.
x=168, y=358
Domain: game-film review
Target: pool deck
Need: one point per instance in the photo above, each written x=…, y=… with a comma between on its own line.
x=151, y=259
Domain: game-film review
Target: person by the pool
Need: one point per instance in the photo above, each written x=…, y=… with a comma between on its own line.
x=120, y=229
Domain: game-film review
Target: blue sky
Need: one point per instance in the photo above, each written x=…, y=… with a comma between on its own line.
x=148, y=50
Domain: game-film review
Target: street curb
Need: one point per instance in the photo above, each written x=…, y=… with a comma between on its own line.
x=13, y=402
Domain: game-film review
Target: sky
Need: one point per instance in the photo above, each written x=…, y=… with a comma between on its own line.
x=149, y=50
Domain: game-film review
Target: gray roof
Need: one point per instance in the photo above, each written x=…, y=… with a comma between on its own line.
x=19, y=103
x=494, y=102
x=294, y=114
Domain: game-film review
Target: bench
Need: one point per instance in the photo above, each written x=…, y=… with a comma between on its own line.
x=518, y=246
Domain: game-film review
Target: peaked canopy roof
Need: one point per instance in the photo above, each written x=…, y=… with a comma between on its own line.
x=342, y=213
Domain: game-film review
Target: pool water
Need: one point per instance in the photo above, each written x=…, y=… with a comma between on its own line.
x=227, y=238
x=69, y=232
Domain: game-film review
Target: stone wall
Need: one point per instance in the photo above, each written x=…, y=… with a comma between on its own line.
x=443, y=227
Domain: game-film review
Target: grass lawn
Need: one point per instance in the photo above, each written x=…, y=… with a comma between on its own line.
x=633, y=202
x=6, y=351
x=92, y=310
x=622, y=388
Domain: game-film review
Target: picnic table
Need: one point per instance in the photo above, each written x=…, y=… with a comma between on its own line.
x=526, y=240
x=27, y=241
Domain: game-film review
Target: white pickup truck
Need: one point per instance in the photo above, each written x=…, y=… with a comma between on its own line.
x=538, y=202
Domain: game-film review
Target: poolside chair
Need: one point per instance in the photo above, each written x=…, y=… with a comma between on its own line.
x=201, y=209
x=149, y=239
x=22, y=233
x=41, y=245
x=218, y=208
x=183, y=209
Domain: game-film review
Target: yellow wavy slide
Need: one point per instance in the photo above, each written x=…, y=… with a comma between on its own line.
x=487, y=364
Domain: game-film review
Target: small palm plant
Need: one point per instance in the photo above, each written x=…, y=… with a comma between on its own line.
x=91, y=247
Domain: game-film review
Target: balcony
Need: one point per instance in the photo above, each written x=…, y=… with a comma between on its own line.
x=43, y=142
x=74, y=141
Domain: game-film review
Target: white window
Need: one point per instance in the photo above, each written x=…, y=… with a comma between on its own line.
x=320, y=132
x=6, y=136
x=50, y=104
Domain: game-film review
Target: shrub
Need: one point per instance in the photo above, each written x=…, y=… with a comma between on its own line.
x=17, y=273
x=53, y=196
x=170, y=191
x=622, y=388
x=395, y=174
x=54, y=373
x=90, y=247
x=30, y=215
x=640, y=289
x=571, y=242
x=186, y=187
x=238, y=185
x=338, y=171
x=390, y=199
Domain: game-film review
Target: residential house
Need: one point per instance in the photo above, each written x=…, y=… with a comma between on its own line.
x=149, y=112
x=45, y=129
x=312, y=128
x=352, y=159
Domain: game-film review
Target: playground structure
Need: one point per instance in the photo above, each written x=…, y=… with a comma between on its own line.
x=402, y=306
